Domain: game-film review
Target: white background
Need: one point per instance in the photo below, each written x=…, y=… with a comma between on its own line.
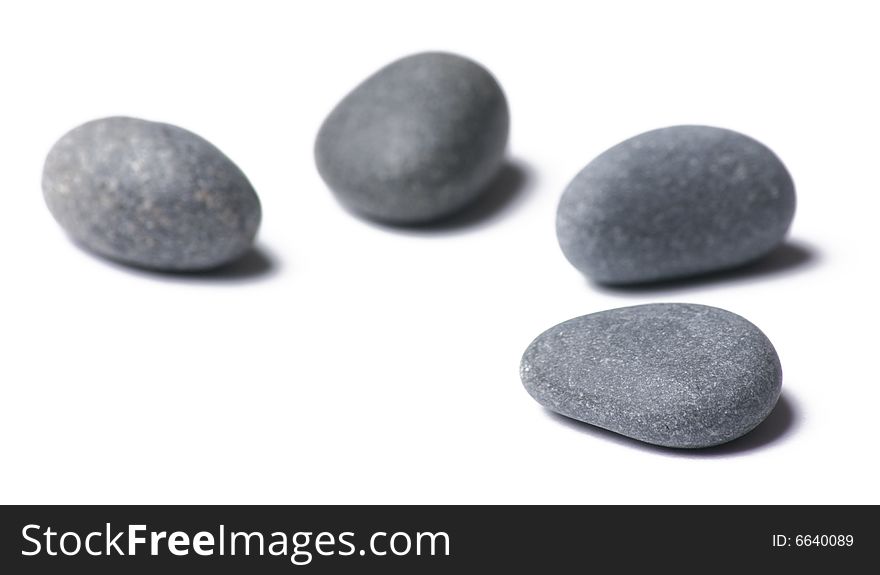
x=359, y=364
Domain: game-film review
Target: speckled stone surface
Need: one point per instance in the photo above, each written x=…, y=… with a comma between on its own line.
x=150, y=195
x=673, y=203
x=417, y=141
x=676, y=375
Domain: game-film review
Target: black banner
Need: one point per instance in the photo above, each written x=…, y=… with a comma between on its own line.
x=423, y=539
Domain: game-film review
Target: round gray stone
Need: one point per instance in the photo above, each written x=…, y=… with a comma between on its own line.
x=673, y=203
x=676, y=375
x=417, y=141
x=150, y=195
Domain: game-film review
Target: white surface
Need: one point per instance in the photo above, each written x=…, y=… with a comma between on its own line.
x=381, y=366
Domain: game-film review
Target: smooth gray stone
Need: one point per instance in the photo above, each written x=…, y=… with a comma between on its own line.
x=677, y=375
x=150, y=195
x=417, y=141
x=673, y=203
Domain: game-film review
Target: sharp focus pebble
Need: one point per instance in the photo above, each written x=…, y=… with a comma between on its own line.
x=673, y=203
x=417, y=141
x=150, y=195
x=676, y=375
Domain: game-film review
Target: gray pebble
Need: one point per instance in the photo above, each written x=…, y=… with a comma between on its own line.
x=673, y=203
x=417, y=141
x=677, y=375
x=150, y=195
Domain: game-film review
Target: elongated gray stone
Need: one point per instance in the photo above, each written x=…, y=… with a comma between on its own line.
x=677, y=375
x=150, y=195
x=673, y=203
x=417, y=141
